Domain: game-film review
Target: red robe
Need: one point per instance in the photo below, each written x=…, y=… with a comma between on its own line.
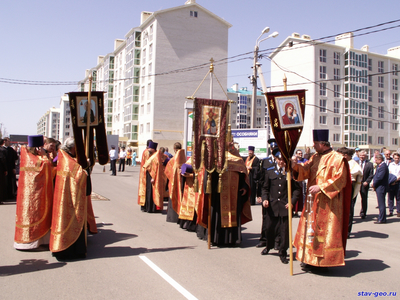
x=328, y=222
x=34, y=198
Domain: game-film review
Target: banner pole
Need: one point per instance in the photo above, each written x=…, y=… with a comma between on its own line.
x=87, y=137
x=209, y=174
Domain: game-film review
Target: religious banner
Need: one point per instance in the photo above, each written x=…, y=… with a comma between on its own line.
x=286, y=111
x=210, y=126
x=79, y=116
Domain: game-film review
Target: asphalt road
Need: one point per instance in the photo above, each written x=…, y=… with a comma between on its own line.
x=138, y=255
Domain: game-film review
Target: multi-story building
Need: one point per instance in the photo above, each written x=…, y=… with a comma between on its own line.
x=49, y=124
x=243, y=99
x=152, y=71
x=352, y=92
x=66, y=129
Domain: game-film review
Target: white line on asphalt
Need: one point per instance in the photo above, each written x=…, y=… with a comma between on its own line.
x=167, y=278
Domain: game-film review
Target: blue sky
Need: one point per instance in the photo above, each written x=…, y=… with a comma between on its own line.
x=39, y=40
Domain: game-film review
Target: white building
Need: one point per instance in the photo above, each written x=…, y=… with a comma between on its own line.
x=352, y=92
x=66, y=129
x=242, y=108
x=49, y=124
x=152, y=71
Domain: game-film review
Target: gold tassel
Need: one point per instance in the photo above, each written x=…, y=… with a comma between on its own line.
x=208, y=188
x=220, y=183
x=196, y=183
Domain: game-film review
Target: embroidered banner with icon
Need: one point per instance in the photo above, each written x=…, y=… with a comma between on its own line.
x=286, y=112
x=209, y=134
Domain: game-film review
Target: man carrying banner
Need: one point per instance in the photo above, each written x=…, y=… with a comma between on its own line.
x=253, y=165
x=322, y=232
x=72, y=207
x=142, y=175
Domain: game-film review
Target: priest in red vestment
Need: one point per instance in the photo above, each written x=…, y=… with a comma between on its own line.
x=322, y=232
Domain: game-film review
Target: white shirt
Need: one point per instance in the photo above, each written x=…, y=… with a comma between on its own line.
x=122, y=154
x=394, y=169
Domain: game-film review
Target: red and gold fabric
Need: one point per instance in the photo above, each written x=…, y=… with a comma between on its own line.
x=70, y=203
x=189, y=199
x=34, y=198
x=229, y=195
x=173, y=173
x=249, y=163
x=142, y=179
x=331, y=208
x=155, y=167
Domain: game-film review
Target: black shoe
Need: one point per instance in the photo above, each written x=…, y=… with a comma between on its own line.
x=305, y=267
x=284, y=260
x=265, y=251
x=391, y=214
x=276, y=246
x=261, y=244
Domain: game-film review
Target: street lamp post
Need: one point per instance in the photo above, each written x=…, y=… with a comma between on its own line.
x=254, y=77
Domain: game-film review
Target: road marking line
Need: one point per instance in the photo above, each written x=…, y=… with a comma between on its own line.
x=168, y=278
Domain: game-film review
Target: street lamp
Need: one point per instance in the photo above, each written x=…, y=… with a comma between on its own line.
x=254, y=77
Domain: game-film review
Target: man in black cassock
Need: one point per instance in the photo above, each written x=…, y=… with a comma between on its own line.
x=253, y=166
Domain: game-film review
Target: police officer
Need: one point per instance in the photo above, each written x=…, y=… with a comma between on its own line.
x=275, y=200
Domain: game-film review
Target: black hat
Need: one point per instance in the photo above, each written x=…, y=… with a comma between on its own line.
x=153, y=145
x=35, y=140
x=251, y=148
x=321, y=135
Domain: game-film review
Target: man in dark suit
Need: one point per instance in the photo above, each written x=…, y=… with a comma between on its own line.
x=380, y=185
x=275, y=200
x=12, y=156
x=368, y=174
x=253, y=165
x=3, y=171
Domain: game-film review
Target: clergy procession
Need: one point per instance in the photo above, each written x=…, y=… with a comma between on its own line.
x=210, y=193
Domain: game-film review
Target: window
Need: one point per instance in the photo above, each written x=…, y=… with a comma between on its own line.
x=322, y=72
x=148, y=108
x=322, y=89
x=370, y=95
x=67, y=126
x=143, y=56
x=147, y=127
x=369, y=80
x=395, y=84
x=336, y=121
x=395, y=67
x=150, y=51
x=395, y=141
x=336, y=58
x=370, y=125
x=322, y=120
x=141, y=109
x=322, y=55
x=381, y=113
x=258, y=122
x=381, y=140
x=381, y=97
x=395, y=126
x=336, y=137
x=370, y=111
x=142, y=94
x=336, y=107
x=381, y=68
x=380, y=81
x=336, y=92
x=141, y=128
x=193, y=14
x=150, y=68
x=369, y=139
x=336, y=74
x=149, y=91
x=322, y=105
x=258, y=102
x=395, y=98
x=395, y=113
x=381, y=125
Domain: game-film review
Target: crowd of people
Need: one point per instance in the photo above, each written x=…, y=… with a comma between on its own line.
x=53, y=205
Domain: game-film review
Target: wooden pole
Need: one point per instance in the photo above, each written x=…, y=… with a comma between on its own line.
x=209, y=174
x=289, y=184
x=88, y=121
